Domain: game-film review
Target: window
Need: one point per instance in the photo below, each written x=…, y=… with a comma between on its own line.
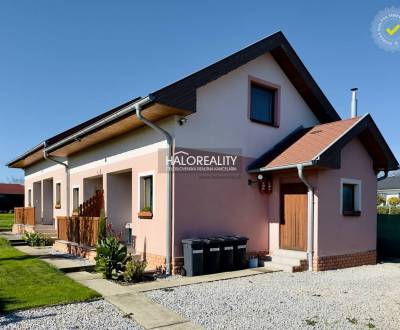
x=146, y=193
x=350, y=197
x=58, y=195
x=263, y=104
x=29, y=197
x=75, y=199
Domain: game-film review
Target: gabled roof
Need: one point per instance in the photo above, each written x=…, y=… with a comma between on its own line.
x=181, y=95
x=11, y=189
x=320, y=146
x=392, y=182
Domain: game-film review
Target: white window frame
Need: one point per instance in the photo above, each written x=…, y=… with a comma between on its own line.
x=79, y=191
x=357, y=192
x=55, y=192
x=29, y=197
x=139, y=189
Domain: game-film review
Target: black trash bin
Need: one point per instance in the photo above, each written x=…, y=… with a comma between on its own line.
x=212, y=254
x=193, y=255
x=227, y=253
x=239, y=251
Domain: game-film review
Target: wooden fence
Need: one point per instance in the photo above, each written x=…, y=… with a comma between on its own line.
x=388, y=240
x=25, y=215
x=81, y=230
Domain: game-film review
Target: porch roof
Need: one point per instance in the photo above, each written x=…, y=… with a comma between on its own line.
x=320, y=146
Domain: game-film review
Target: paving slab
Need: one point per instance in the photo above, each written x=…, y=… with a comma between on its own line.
x=148, y=313
x=63, y=261
x=83, y=275
x=105, y=287
x=35, y=251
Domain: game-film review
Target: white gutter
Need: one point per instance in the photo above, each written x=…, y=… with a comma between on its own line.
x=138, y=108
x=310, y=217
x=99, y=123
x=283, y=167
x=46, y=156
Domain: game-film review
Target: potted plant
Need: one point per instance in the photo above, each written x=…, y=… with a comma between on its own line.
x=75, y=212
x=146, y=213
x=253, y=261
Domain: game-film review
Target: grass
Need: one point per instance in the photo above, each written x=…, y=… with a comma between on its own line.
x=27, y=282
x=6, y=221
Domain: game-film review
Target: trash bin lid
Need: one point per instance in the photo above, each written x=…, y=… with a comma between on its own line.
x=192, y=241
x=229, y=239
x=241, y=238
x=215, y=240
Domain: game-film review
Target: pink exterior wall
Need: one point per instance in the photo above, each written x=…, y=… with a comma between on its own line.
x=150, y=233
x=42, y=171
x=219, y=206
x=339, y=234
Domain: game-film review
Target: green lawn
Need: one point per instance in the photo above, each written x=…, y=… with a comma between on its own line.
x=27, y=282
x=6, y=221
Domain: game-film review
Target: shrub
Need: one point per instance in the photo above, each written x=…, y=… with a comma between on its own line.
x=395, y=210
x=394, y=201
x=37, y=239
x=110, y=258
x=380, y=200
x=102, y=226
x=383, y=209
x=134, y=270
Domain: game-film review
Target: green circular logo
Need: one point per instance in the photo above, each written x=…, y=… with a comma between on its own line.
x=385, y=29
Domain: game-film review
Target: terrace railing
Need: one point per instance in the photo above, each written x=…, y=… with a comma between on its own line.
x=83, y=227
x=93, y=206
x=25, y=215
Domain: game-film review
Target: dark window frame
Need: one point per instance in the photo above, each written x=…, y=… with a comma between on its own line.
x=351, y=211
x=268, y=86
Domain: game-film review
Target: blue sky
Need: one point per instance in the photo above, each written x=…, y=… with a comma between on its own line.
x=62, y=62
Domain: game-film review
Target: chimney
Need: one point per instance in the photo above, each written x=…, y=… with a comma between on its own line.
x=354, y=102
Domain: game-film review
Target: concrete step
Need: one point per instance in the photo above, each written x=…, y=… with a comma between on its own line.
x=284, y=260
x=301, y=255
x=17, y=242
x=273, y=266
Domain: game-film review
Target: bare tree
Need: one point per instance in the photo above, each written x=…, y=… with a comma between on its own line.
x=13, y=179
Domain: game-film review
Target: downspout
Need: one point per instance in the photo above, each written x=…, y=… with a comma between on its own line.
x=46, y=156
x=310, y=217
x=138, y=108
x=384, y=176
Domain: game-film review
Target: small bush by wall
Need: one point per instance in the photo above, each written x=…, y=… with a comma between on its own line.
x=383, y=209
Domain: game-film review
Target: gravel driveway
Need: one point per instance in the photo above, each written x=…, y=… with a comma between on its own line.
x=90, y=315
x=365, y=297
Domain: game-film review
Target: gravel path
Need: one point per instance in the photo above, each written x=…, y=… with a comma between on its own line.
x=365, y=297
x=90, y=315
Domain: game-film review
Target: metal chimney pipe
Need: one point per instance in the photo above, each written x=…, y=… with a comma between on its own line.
x=354, y=102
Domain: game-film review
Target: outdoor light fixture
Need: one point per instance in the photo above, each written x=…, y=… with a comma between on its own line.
x=182, y=121
x=259, y=178
x=264, y=183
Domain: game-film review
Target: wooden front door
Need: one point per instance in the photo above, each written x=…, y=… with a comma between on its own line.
x=293, y=225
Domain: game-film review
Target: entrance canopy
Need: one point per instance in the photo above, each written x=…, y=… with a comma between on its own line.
x=320, y=146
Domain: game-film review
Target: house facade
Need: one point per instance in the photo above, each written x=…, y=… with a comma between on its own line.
x=389, y=187
x=247, y=146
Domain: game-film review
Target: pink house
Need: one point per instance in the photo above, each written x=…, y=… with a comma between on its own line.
x=248, y=145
